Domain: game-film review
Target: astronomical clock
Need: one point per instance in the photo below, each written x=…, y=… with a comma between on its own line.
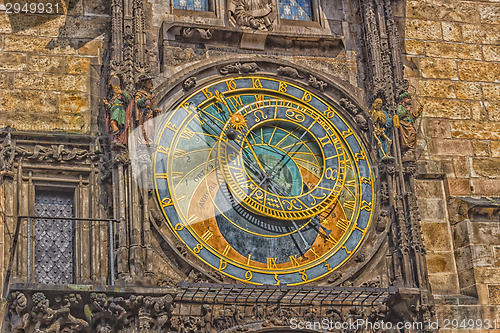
x=263, y=180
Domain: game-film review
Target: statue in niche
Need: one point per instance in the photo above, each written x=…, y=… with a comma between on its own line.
x=382, y=129
x=146, y=109
x=406, y=120
x=256, y=14
x=119, y=112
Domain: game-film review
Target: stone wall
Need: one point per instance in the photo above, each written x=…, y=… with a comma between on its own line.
x=50, y=64
x=452, y=59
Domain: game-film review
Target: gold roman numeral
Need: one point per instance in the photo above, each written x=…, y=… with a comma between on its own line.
x=207, y=235
x=294, y=261
x=271, y=263
x=342, y=224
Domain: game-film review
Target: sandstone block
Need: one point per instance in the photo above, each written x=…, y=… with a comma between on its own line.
x=451, y=147
x=493, y=109
x=481, y=148
x=6, y=80
x=446, y=108
x=469, y=129
x=28, y=101
x=439, y=68
x=65, y=46
x=437, y=128
x=73, y=103
x=459, y=187
x=12, y=61
x=422, y=29
x=77, y=65
x=478, y=111
x=468, y=90
x=451, y=31
x=478, y=71
x=75, y=27
x=443, y=10
x=440, y=262
x=487, y=275
x=489, y=13
x=491, y=52
x=491, y=91
x=26, y=44
x=429, y=169
x=19, y=24
x=50, y=64
x=90, y=48
x=44, y=81
x=494, y=292
x=481, y=33
x=414, y=47
x=460, y=232
x=486, y=167
x=437, y=88
x=429, y=189
x=485, y=233
x=461, y=167
x=436, y=236
x=97, y=7
x=489, y=187
x=442, y=283
x=495, y=148
x=453, y=50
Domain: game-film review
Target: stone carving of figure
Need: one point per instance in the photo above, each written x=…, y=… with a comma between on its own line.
x=146, y=109
x=407, y=116
x=119, y=112
x=257, y=14
x=382, y=128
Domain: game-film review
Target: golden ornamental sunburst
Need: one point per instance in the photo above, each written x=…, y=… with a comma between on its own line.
x=237, y=121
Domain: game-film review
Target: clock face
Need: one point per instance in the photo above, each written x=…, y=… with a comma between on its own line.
x=263, y=180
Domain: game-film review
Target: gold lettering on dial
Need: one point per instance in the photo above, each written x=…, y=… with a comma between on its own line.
x=226, y=250
x=248, y=275
x=222, y=265
x=294, y=261
x=256, y=83
x=271, y=263
x=207, y=235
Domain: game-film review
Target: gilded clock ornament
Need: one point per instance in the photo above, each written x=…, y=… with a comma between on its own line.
x=263, y=180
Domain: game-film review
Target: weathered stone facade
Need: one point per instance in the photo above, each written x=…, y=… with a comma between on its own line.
x=55, y=70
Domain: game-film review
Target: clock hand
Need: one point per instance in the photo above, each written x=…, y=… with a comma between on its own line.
x=286, y=153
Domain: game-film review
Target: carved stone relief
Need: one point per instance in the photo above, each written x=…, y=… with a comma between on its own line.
x=255, y=14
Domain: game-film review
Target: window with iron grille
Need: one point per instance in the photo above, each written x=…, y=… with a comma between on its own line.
x=54, y=238
x=200, y=5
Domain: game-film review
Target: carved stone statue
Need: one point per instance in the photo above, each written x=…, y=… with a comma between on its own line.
x=146, y=109
x=407, y=116
x=256, y=14
x=119, y=112
x=382, y=129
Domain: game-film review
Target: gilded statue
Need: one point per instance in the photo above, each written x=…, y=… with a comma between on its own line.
x=256, y=14
x=382, y=128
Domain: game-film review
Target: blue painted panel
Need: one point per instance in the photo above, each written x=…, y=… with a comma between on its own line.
x=202, y=5
x=364, y=217
x=296, y=10
x=353, y=240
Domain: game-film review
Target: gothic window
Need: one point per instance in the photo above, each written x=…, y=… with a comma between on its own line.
x=300, y=10
x=201, y=5
x=54, y=249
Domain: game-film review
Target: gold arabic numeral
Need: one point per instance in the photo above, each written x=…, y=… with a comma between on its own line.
x=342, y=224
x=271, y=263
x=256, y=83
x=226, y=250
x=325, y=140
x=307, y=97
x=197, y=248
x=222, y=265
x=163, y=150
x=187, y=134
x=277, y=280
x=258, y=97
x=207, y=235
x=248, y=258
x=282, y=87
x=165, y=202
x=207, y=93
x=187, y=107
x=331, y=239
x=316, y=256
x=331, y=173
x=248, y=275
x=231, y=84
x=349, y=205
x=303, y=275
x=178, y=227
x=294, y=261
x=329, y=112
x=345, y=134
x=366, y=206
x=365, y=180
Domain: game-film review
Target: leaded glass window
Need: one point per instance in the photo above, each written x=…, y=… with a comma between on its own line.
x=54, y=250
x=202, y=5
x=300, y=10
